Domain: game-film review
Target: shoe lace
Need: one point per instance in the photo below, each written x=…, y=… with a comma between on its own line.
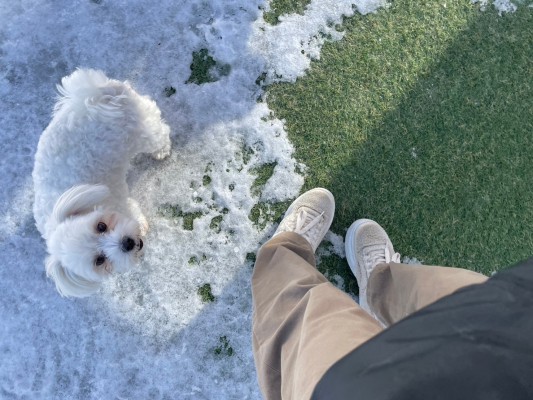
x=395, y=258
x=306, y=220
x=375, y=255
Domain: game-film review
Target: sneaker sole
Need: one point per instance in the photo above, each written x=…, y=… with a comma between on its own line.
x=349, y=247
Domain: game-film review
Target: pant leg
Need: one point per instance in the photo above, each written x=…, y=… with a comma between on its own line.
x=302, y=324
x=396, y=290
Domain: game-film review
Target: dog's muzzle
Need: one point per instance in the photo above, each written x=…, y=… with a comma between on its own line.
x=128, y=244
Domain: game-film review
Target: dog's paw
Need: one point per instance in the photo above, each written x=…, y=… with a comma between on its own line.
x=143, y=224
x=137, y=214
x=162, y=153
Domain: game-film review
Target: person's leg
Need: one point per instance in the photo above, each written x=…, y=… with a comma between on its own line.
x=398, y=290
x=388, y=289
x=473, y=344
x=302, y=324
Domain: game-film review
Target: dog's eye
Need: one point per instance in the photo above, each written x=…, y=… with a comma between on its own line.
x=101, y=227
x=99, y=260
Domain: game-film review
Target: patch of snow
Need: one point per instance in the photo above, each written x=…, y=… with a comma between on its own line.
x=411, y=260
x=501, y=5
x=290, y=46
x=148, y=334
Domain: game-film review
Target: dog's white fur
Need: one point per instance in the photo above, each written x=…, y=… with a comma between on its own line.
x=82, y=206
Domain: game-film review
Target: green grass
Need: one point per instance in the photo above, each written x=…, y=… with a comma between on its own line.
x=263, y=174
x=332, y=265
x=216, y=222
x=264, y=212
x=421, y=118
x=206, y=294
x=224, y=349
x=280, y=7
x=205, y=69
x=174, y=212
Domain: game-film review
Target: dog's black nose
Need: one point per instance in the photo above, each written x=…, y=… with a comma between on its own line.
x=127, y=244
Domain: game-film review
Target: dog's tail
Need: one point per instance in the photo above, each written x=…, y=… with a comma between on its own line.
x=90, y=91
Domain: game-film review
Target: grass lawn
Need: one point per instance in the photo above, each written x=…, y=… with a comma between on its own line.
x=421, y=118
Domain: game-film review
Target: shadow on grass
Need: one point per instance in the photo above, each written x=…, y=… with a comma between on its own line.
x=448, y=173
x=446, y=170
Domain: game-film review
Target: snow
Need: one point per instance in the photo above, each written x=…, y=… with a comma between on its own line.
x=301, y=36
x=501, y=6
x=148, y=334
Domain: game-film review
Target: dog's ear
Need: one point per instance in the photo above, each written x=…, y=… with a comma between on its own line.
x=67, y=283
x=79, y=199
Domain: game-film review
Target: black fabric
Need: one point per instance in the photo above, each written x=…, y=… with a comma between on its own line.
x=476, y=343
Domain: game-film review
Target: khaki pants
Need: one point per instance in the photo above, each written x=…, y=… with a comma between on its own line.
x=302, y=324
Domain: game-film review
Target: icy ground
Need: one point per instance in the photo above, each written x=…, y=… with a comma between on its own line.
x=154, y=333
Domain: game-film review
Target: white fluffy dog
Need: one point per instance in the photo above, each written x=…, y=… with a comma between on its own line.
x=82, y=206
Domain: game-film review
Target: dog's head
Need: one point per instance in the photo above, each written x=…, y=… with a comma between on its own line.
x=87, y=242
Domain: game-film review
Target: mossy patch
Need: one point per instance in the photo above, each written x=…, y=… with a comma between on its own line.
x=263, y=213
x=280, y=7
x=206, y=294
x=251, y=257
x=169, y=91
x=216, y=222
x=195, y=261
x=224, y=348
x=263, y=173
x=332, y=265
x=247, y=153
x=174, y=212
x=205, y=69
x=261, y=79
x=188, y=220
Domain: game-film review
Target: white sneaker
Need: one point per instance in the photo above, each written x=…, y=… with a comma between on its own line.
x=367, y=245
x=310, y=216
